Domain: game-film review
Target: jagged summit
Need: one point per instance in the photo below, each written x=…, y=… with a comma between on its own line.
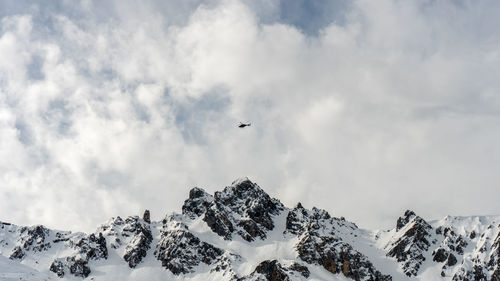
x=242, y=208
x=242, y=233
x=411, y=240
x=405, y=219
x=451, y=244
x=237, y=181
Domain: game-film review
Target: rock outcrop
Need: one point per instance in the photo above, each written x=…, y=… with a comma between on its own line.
x=32, y=238
x=180, y=251
x=463, y=254
x=321, y=242
x=140, y=242
x=412, y=239
x=85, y=249
x=274, y=271
x=242, y=208
x=484, y=262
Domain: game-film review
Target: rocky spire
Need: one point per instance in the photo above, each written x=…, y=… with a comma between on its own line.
x=147, y=216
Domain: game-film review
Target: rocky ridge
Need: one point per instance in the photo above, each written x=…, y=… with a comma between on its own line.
x=242, y=233
x=463, y=248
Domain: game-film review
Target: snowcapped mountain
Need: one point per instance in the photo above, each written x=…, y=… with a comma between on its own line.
x=241, y=233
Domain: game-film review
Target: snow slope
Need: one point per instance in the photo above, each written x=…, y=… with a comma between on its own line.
x=241, y=233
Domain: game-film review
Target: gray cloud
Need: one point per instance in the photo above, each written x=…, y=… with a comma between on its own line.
x=361, y=108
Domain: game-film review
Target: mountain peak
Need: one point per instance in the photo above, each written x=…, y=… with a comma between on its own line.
x=240, y=180
x=241, y=188
x=197, y=192
x=405, y=219
x=413, y=237
x=197, y=203
x=242, y=208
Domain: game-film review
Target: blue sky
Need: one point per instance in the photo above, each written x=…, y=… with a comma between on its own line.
x=364, y=109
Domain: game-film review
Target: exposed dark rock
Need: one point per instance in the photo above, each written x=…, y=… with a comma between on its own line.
x=320, y=244
x=137, y=250
x=453, y=245
x=439, y=255
x=496, y=275
x=405, y=219
x=413, y=240
x=61, y=237
x=74, y=265
x=33, y=238
x=58, y=268
x=274, y=271
x=476, y=274
x=303, y=270
x=140, y=242
x=93, y=247
x=328, y=262
x=493, y=263
x=442, y=255
x=219, y=223
x=482, y=267
x=452, y=242
x=86, y=248
x=251, y=228
x=243, y=208
x=78, y=267
x=17, y=253
x=294, y=219
x=224, y=264
x=198, y=203
x=452, y=260
x=180, y=251
x=146, y=216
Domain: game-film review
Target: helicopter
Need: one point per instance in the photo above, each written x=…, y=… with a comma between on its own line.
x=243, y=125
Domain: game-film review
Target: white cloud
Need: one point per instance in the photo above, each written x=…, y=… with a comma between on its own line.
x=396, y=108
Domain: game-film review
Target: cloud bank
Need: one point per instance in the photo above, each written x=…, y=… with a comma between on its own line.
x=361, y=108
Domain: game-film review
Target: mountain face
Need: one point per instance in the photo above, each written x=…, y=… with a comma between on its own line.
x=241, y=233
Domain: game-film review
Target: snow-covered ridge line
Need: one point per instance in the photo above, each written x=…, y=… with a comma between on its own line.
x=241, y=233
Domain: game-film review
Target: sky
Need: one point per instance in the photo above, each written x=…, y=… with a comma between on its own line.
x=362, y=108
